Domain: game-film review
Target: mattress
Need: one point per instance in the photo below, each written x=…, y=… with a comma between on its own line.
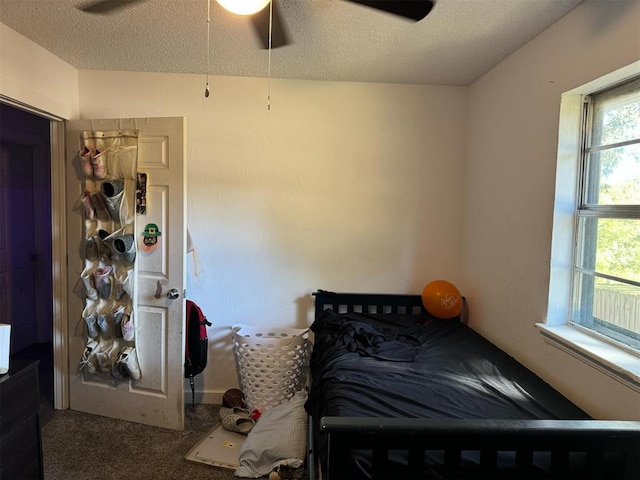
x=407, y=366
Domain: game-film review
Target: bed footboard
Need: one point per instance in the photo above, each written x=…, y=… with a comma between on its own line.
x=455, y=448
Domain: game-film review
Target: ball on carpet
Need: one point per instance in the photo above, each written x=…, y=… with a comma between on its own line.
x=233, y=398
x=442, y=299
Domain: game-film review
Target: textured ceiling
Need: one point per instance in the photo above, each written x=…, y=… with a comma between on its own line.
x=332, y=39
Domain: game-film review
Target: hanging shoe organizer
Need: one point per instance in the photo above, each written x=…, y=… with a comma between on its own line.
x=108, y=162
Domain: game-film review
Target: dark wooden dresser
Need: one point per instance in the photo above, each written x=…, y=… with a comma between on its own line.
x=21, y=447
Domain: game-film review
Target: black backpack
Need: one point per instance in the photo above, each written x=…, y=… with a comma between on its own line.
x=196, y=344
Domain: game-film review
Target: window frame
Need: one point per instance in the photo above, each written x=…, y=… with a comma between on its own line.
x=594, y=350
x=581, y=312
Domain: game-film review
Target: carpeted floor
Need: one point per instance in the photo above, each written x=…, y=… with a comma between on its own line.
x=79, y=446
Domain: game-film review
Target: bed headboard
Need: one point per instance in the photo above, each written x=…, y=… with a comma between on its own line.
x=376, y=303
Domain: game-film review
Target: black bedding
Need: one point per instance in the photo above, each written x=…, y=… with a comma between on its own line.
x=403, y=366
x=390, y=365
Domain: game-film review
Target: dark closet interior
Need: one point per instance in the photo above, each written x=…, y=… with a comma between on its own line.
x=26, y=245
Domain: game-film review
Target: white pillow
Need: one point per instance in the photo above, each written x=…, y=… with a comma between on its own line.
x=278, y=437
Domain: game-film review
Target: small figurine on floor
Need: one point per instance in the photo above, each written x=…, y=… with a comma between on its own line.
x=285, y=472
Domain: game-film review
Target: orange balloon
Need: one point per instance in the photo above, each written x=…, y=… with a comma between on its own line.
x=442, y=299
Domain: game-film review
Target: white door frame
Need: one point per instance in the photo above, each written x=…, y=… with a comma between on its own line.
x=60, y=267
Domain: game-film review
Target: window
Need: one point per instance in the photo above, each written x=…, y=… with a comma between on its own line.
x=606, y=266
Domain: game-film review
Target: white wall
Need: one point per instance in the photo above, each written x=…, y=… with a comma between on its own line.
x=361, y=186
x=340, y=186
x=510, y=179
x=32, y=75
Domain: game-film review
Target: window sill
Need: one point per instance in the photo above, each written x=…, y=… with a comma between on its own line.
x=615, y=362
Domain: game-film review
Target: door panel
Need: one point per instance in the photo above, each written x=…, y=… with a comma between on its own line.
x=17, y=249
x=158, y=397
x=4, y=238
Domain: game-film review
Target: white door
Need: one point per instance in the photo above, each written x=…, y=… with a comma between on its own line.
x=157, y=398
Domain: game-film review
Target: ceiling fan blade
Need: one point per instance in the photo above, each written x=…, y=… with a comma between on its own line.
x=261, y=27
x=412, y=9
x=106, y=6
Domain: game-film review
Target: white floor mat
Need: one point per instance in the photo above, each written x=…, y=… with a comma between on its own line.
x=220, y=448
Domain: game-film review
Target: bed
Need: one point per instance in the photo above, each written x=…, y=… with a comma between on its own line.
x=396, y=393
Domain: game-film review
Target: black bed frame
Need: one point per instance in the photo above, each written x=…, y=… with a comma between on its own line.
x=611, y=449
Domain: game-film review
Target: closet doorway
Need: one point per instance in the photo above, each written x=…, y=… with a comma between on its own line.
x=26, y=282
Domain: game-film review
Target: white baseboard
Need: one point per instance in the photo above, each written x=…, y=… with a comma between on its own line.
x=208, y=397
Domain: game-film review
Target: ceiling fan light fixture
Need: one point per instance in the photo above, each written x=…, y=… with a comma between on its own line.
x=243, y=7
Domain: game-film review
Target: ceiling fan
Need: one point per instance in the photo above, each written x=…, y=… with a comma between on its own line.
x=409, y=9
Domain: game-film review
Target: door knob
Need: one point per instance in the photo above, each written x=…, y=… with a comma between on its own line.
x=173, y=294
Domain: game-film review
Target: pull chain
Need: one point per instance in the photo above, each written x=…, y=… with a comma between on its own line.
x=206, y=88
x=269, y=73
